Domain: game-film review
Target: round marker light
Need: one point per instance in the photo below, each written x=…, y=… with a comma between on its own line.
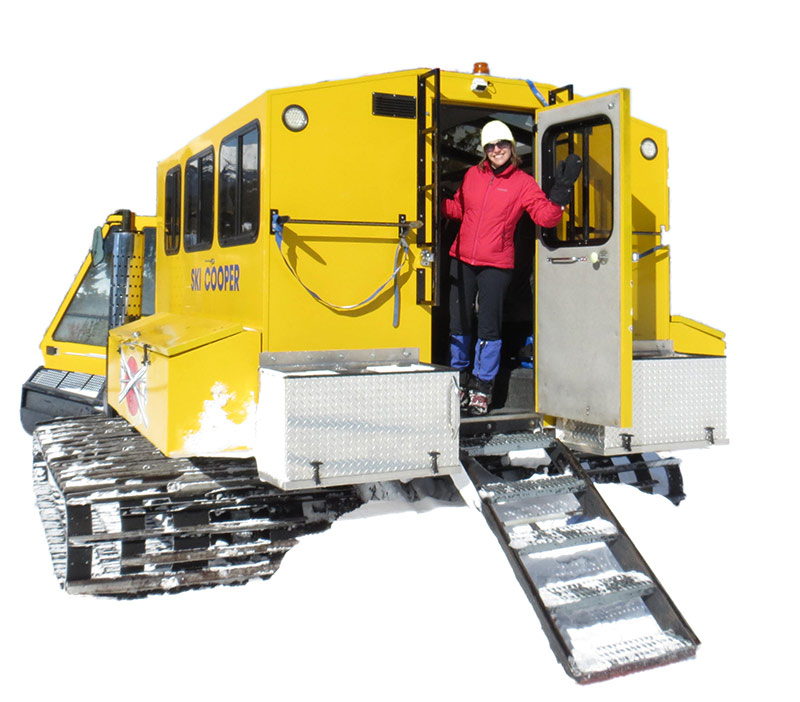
x=649, y=149
x=295, y=118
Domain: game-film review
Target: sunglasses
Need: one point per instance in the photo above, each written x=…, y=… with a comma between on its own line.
x=503, y=144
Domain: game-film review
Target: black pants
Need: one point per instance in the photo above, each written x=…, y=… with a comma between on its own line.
x=489, y=285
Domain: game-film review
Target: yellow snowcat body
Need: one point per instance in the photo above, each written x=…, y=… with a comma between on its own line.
x=281, y=322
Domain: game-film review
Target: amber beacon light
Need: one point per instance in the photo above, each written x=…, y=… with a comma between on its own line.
x=479, y=83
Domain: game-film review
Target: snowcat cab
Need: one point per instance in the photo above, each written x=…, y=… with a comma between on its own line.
x=295, y=348
x=72, y=380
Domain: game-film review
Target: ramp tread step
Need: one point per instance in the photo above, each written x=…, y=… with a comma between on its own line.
x=644, y=651
x=551, y=485
x=595, y=590
x=537, y=540
x=537, y=508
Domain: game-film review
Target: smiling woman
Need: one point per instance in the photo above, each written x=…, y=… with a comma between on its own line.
x=498, y=145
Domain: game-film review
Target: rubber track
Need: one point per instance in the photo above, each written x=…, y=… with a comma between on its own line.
x=123, y=519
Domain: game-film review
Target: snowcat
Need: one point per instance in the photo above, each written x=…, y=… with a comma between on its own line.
x=248, y=364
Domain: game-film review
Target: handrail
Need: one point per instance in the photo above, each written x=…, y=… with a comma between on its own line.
x=285, y=219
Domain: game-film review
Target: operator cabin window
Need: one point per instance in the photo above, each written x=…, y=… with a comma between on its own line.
x=589, y=219
x=172, y=211
x=198, y=226
x=85, y=320
x=239, y=187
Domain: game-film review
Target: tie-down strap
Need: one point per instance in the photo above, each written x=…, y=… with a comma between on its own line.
x=400, y=257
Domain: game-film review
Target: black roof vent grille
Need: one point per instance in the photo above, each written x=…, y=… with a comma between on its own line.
x=389, y=105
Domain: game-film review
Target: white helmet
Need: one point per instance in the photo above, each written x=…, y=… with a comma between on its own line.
x=495, y=131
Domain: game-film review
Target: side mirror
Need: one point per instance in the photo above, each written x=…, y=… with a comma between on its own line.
x=98, y=250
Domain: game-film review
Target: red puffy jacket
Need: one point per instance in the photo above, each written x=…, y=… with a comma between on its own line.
x=489, y=206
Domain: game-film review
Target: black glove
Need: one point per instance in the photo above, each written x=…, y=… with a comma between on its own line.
x=567, y=172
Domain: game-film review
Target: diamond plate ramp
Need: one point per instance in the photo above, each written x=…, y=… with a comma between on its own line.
x=602, y=608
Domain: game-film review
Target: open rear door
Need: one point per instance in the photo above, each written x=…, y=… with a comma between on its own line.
x=584, y=346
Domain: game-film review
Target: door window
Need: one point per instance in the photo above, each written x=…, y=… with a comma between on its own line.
x=589, y=218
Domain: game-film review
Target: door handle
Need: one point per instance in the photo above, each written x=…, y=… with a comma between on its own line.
x=566, y=259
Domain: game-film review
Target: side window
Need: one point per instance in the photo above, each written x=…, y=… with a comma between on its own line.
x=589, y=218
x=239, y=188
x=198, y=222
x=172, y=211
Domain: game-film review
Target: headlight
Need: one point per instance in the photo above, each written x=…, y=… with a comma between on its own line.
x=295, y=118
x=649, y=149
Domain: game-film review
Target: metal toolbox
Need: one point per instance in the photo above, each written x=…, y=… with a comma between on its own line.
x=346, y=417
x=678, y=402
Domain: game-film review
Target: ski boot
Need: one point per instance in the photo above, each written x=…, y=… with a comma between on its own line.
x=480, y=396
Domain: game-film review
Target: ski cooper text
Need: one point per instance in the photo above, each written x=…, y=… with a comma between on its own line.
x=222, y=278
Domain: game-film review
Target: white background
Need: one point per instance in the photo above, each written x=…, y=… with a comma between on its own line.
x=415, y=602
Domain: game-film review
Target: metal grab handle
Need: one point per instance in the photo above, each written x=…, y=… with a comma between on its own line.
x=285, y=219
x=567, y=259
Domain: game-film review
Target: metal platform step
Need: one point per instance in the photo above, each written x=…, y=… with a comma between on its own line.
x=592, y=591
x=600, y=605
x=501, y=444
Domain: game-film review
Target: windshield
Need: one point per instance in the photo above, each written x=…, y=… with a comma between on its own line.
x=86, y=318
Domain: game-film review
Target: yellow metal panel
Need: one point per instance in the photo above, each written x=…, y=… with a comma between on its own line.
x=650, y=216
x=173, y=334
x=348, y=164
x=651, y=290
x=213, y=407
x=199, y=402
x=649, y=189
x=501, y=93
x=691, y=337
x=80, y=358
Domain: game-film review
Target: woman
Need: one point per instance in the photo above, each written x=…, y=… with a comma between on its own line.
x=490, y=203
